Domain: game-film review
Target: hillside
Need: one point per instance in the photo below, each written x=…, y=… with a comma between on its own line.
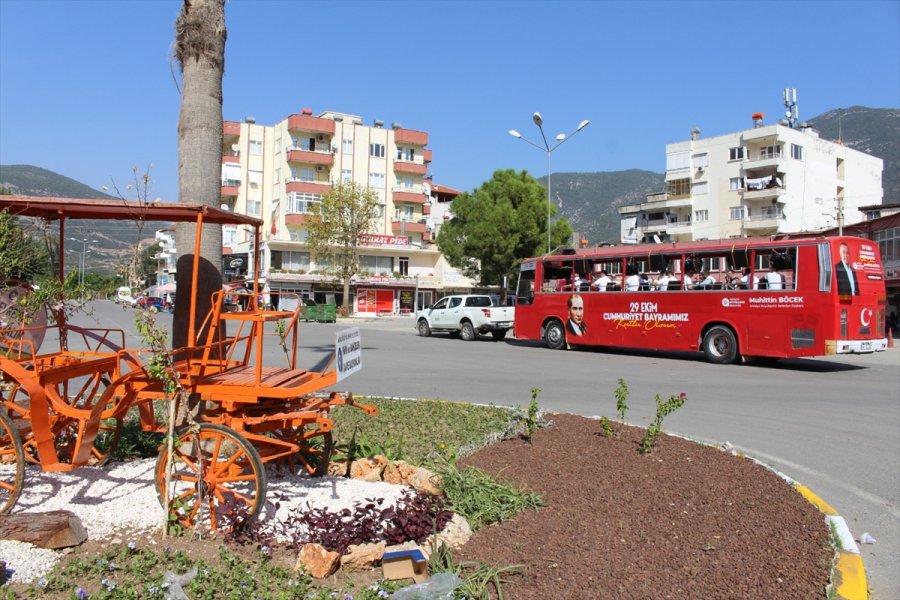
x=590, y=201
x=109, y=242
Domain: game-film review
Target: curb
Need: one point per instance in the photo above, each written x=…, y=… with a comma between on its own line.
x=848, y=579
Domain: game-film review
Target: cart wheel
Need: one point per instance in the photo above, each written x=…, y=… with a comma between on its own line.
x=233, y=484
x=66, y=429
x=12, y=465
x=314, y=454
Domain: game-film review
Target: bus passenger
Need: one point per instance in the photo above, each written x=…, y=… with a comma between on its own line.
x=602, y=282
x=707, y=281
x=745, y=280
x=774, y=279
x=632, y=283
x=662, y=284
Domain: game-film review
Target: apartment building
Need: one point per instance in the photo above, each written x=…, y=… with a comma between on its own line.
x=761, y=181
x=280, y=172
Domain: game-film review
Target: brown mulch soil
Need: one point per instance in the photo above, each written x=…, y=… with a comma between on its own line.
x=687, y=521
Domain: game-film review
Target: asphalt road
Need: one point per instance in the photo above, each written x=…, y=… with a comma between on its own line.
x=833, y=424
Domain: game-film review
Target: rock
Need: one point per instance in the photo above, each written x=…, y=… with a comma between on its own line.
x=399, y=472
x=338, y=468
x=455, y=534
x=368, y=469
x=318, y=561
x=424, y=480
x=362, y=556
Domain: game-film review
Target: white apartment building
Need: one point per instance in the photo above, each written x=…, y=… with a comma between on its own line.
x=280, y=172
x=761, y=181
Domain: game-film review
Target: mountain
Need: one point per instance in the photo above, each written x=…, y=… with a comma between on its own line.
x=590, y=201
x=26, y=180
x=109, y=243
x=875, y=131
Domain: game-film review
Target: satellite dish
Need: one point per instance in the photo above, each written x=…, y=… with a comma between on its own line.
x=656, y=239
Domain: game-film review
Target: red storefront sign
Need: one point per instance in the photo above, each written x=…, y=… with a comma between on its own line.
x=372, y=239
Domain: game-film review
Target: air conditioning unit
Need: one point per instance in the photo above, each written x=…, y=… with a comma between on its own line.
x=320, y=167
x=320, y=137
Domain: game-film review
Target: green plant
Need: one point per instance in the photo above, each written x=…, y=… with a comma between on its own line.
x=607, y=427
x=662, y=410
x=480, y=498
x=478, y=579
x=621, y=399
x=531, y=420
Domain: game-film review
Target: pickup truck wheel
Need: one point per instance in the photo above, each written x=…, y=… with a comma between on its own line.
x=424, y=329
x=499, y=335
x=555, y=335
x=467, y=332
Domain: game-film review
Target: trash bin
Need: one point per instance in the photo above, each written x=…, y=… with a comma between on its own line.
x=320, y=313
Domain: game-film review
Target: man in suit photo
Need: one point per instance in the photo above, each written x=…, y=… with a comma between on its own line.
x=847, y=284
x=575, y=325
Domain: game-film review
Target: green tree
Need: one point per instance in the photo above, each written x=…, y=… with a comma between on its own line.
x=497, y=225
x=346, y=211
x=21, y=256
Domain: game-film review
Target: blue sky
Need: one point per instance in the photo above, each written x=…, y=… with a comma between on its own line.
x=86, y=87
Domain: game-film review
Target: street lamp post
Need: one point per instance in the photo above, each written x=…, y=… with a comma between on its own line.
x=84, y=251
x=539, y=121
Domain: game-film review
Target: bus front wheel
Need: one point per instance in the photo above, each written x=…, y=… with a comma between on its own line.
x=555, y=335
x=720, y=345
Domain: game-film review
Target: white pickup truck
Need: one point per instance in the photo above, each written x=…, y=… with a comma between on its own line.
x=466, y=317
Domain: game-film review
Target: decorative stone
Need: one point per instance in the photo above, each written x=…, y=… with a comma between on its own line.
x=368, y=469
x=318, y=561
x=399, y=472
x=455, y=534
x=426, y=481
x=338, y=468
x=362, y=556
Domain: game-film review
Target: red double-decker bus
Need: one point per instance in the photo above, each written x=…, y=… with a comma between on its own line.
x=750, y=297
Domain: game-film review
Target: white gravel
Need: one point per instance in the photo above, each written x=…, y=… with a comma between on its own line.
x=121, y=498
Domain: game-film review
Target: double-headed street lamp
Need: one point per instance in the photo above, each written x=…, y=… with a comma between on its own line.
x=84, y=250
x=539, y=121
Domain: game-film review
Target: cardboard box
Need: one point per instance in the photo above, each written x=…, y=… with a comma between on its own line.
x=405, y=564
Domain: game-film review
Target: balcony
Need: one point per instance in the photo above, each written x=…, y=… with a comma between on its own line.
x=416, y=168
x=765, y=220
x=427, y=156
x=231, y=157
x=230, y=187
x=767, y=161
x=410, y=136
x=310, y=123
x=231, y=131
x=763, y=194
x=308, y=187
x=314, y=157
x=294, y=218
x=410, y=197
x=426, y=236
x=426, y=209
x=407, y=227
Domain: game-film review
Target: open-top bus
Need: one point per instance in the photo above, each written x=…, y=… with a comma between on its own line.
x=750, y=297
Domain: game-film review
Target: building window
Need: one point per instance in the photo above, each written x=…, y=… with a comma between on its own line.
x=796, y=152
x=889, y=242
x=256, y=148
x=277, y=178
x=303, y=203
x=737, y=153
x=278, y=145
x=701, y=161
x=377, y=265
x=348, y=145
x=376, y=180
x=290, y=261
x=376, y=150
x=678, y=160
x=307, y=174
x=254, y=178
x=678, y=188
x=736, y=213
x=346, y=175
x=253, y=207
x=700, y=187
x=768, y=152
x=404, y=213
x=404, y=265
x=736, y=183
x=701, y=215
x=405, y=182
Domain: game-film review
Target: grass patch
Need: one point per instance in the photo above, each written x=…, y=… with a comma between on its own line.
x=425, y=429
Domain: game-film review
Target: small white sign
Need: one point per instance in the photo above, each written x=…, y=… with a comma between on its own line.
x=348, y=352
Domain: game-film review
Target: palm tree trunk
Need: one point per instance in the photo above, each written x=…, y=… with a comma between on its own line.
x=200, y=50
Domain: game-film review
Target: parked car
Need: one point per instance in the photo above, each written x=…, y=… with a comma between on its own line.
x=123, y=295
x=466, y=317
x=151, y=303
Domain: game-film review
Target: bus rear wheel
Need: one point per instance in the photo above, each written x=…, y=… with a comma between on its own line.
x=720, y=345
x=555, y=335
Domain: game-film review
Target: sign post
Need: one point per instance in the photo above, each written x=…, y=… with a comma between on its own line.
x=348, y=351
